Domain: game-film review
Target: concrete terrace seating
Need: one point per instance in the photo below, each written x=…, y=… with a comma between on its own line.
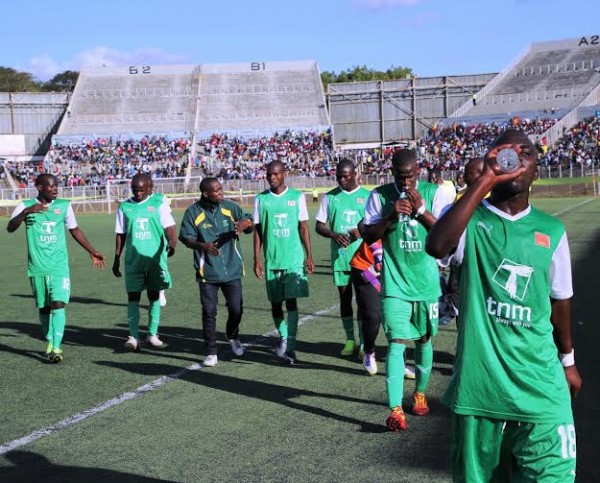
x=132, y=99
x=274, y=94
x=556, y=74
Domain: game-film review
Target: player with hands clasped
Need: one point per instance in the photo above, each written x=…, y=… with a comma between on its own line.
x=515, y=372
x=46, y=217
x=144, y=229
x=281, y=233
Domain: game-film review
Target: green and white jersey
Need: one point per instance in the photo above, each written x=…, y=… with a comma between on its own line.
x=46, y=241
x=143, y=224
x=279, y=217
x=507, y=364
x=408, y=272
x=342, y=210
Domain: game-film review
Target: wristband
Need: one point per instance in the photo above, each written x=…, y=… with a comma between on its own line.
x=420, y=211
x=567, y=360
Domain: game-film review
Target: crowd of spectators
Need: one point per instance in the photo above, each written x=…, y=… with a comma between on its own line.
x=93, y=162
x=579, y=146
x=449, y=147
x=305, y=152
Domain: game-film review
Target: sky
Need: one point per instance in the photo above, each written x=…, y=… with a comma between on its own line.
x=432, y=37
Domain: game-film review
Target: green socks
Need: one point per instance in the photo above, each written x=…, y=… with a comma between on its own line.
x=423, y=364
x=45, y=321
x=281, y=327
x=293, y=329
x=154, y=317
x=395, y=374
x=348, y=323
x=58, y=320
x=133, y=319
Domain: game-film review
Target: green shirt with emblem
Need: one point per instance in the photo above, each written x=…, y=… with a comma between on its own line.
x=408, y=272
x=46, y=241
x=279, y=217
x=342, y=210
x=507, y=364
x=145, y=243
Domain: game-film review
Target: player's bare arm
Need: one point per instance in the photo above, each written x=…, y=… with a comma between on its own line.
x=119, y=244
x=171, y=235
x=341, y=239
x=15, y=223
x=244, y=226
x=444, y=235
x=258, y=266
x=561, y=322
x=419, y=212
x=305, y=238
x=98, y=260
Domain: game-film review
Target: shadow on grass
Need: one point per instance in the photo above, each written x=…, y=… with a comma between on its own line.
x=28, y=466
x=586, y=333
x=255, y=389
x=79, y=300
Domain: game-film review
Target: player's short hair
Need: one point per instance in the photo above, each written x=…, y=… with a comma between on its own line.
x=206, y=183
x=345, y=163
x=143, y=178
x=43, y=178
x=403, y=158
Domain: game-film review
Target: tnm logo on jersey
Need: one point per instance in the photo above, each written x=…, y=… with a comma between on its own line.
x=410, y=243
x=349, y=220
x=514, y=278
x=141, y=229
x=49, y=236
x=281, y=229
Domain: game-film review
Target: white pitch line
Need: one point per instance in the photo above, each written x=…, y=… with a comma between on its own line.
x=127, y=396
x=585, y=202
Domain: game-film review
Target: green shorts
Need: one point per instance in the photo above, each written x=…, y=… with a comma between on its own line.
x=492, y=450
x=409, y=320
x=341, y=278
x=286, y=284
x=50, y=288
x=154, y=280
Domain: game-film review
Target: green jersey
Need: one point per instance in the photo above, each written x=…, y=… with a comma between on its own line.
x=279, y=217
x=46, y=241
x=144, y=224
x=507, y=364
x=342, y=210
x=407, y=271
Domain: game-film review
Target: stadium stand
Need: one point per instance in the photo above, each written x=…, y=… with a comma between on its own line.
x=557, y=75
x=260, y=95
x=134, y=99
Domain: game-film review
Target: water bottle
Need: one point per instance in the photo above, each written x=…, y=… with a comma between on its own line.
x=402, y=218
x=507, y=160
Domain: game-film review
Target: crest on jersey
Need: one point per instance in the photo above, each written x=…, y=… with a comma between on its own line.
x=542, y=240
x=409, y=229
x=281, y=219
x=291, y=203
x=48, y=227
x=513, y=278
x=141, y=223
x=349, y=216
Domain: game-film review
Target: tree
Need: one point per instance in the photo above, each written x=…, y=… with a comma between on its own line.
x=62, y=82
x=363, y=73
x=12, y=80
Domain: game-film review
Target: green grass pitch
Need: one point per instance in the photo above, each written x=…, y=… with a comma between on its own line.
x=248, y=419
